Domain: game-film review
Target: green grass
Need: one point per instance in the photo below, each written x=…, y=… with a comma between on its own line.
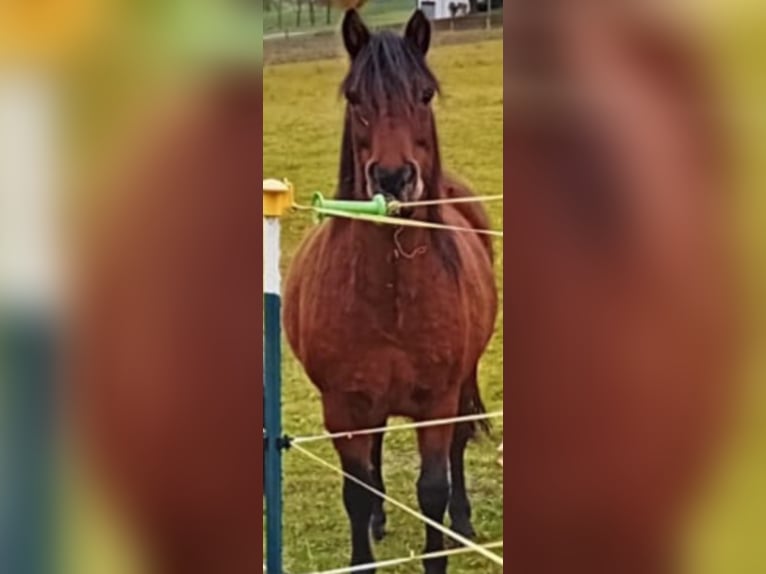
x=301, y=141
x=376, y=13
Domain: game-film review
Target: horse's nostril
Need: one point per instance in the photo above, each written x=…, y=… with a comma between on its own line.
x=408, y=173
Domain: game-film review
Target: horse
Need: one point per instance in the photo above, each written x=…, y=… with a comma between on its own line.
x=163, y=392
x=623, y=324
x=392, y=321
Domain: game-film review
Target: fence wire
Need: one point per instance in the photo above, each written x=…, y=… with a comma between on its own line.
x=407, y=426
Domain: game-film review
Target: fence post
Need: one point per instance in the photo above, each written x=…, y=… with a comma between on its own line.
x=277, y=199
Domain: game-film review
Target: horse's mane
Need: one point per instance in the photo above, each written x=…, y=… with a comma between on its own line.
x=389, y=73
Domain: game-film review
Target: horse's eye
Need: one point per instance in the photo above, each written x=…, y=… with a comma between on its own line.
x=428, y=95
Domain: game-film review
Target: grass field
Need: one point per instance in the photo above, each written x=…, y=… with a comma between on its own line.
x=301, y=139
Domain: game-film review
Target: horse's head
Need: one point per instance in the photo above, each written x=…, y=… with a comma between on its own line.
x=389, y=142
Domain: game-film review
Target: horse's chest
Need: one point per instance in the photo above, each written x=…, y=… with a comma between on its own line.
x=402, y=304
x=392, y=308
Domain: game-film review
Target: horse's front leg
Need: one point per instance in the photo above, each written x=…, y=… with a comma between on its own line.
x=459, y=505
x=378, y=523
x=355, y=461
x=434, y=489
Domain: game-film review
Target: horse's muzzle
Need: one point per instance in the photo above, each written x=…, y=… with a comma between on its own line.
x=400, y=183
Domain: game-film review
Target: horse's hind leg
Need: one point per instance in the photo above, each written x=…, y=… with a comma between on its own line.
x=355, y=461
x=434, y=489
x=459, y=505
x=378, y=523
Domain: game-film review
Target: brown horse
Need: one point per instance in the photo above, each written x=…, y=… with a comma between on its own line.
x=622, y=327
x=393, y=321
x=165, y=391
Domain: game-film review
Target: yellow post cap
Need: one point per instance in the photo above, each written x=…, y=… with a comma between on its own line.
x=277, y=197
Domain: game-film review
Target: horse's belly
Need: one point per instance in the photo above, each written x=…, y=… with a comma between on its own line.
x=382, y=365
x=398, y=376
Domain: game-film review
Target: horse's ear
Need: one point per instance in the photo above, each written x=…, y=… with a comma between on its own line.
x=355, y=33
x=418, y=31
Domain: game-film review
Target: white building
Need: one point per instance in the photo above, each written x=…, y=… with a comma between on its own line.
x=442, y=9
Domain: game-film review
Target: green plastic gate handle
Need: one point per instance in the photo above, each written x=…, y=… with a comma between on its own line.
x=376, y=206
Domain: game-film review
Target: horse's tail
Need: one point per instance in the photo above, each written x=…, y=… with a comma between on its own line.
x=471, y=403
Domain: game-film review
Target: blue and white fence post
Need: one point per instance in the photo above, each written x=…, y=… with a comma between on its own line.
x=28, y=310
x=277, y=199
